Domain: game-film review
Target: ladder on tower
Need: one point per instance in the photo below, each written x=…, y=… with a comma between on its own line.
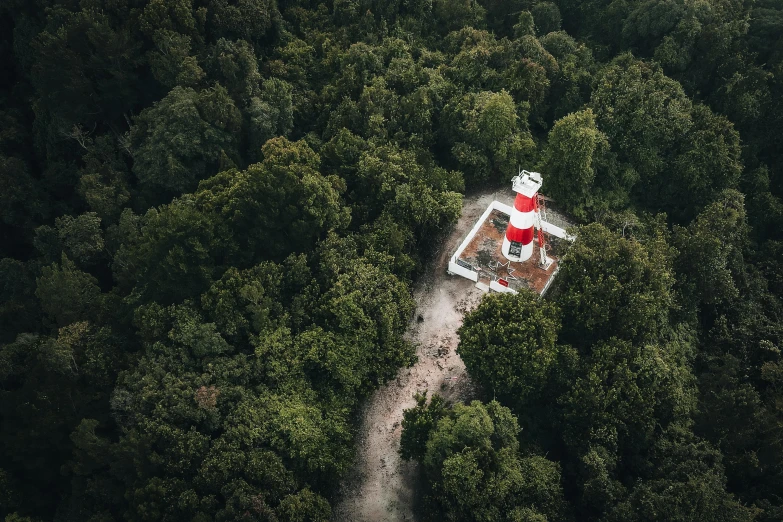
x=540, y=217
x=542, y=206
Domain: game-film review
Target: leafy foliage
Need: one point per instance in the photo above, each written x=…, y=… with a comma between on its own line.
x=614, y=286
x=576, y=151
x=182, y=136
x=212, y=212
x=510, y=358
x=474, y=466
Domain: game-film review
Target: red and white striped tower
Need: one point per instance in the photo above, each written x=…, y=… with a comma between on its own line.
x=518, y=243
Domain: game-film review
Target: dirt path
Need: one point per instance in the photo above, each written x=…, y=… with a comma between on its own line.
x=381, y=486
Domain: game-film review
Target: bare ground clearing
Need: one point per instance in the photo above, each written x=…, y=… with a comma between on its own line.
x=381, y=486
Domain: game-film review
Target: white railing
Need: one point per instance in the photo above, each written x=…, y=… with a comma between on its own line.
x=455, y=268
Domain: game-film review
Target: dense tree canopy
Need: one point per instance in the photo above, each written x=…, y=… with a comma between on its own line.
x=475, y=471
x=212, y=213
x=509, y=357
x=616, y=405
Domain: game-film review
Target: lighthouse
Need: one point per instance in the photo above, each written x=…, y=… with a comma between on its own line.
x=503, y=259
x=518, y=243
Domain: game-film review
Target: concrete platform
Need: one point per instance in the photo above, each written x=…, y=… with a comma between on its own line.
x=479, y=257
x=483, y=254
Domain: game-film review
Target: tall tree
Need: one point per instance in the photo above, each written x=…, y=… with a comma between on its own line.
x=180, y=140
x=615, y=286
x=508, y=345
x=475, y=470
x=577, y=164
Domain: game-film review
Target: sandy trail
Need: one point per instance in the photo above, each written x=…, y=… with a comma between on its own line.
x=381, y=486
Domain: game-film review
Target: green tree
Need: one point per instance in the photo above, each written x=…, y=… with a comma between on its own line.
x=529, y=76
x=687, y=484
x=281, y=205
x=275, y=207
x=251, y=20
x=547, y=17
x=170, y=254
x=81, y=237
x=246, y=302
x=171, y=62
x=394, y=180
x=708, y=164
x=508, y=344
x=370, y=308
x=742, y=422
x=475, y=471
x=614, y=286
x=574, y=153
x=271, y=114
x=451, y=15
x=710, y=262
x=645, y=116
x=253, y=388
x=572, y=84
x=623, y=396
x=501, y=15
x=179, y=140
x=104, y=179
x=48, y=385
x=84, y=70
x=487, y=139
x=525, y=25
x=235, y=66
x=417, y=423
x=67, y=294
x=478, y=60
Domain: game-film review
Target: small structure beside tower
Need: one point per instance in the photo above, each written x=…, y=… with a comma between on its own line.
x=498, y=253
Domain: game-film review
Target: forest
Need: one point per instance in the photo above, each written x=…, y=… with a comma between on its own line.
x=213, y=213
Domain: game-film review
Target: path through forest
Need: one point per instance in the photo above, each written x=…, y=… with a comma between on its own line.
x=381, y=486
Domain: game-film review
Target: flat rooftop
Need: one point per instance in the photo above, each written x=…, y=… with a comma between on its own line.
x=483, y=253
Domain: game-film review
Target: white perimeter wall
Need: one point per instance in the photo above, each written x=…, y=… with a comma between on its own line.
x=497, y=287
x=454, y=268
